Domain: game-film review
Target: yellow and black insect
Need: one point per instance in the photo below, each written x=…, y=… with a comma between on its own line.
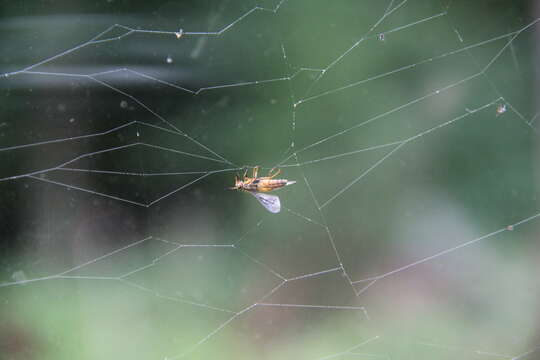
x=258, y=186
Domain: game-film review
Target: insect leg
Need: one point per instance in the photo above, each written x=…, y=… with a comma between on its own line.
x=255, y=171
x=272, y=173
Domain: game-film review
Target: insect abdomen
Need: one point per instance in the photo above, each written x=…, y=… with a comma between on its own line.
x=269, y=185
x=250, y=187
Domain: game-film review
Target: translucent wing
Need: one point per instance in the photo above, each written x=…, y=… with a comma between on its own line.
x=270, y=202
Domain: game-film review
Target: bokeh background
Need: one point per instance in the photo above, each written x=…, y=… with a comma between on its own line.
x=115, y=255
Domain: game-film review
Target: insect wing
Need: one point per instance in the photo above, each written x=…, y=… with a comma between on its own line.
x=270, y=202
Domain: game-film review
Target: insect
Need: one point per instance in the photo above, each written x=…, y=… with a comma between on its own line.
x=258, y=186
x=501, y=109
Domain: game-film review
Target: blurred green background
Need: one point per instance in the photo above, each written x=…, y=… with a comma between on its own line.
x=115, y=255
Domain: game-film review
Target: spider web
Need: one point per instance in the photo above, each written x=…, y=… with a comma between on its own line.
x=409, y=126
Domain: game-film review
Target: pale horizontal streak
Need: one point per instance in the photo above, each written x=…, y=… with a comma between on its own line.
x=308, y=306
x=95, y=39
